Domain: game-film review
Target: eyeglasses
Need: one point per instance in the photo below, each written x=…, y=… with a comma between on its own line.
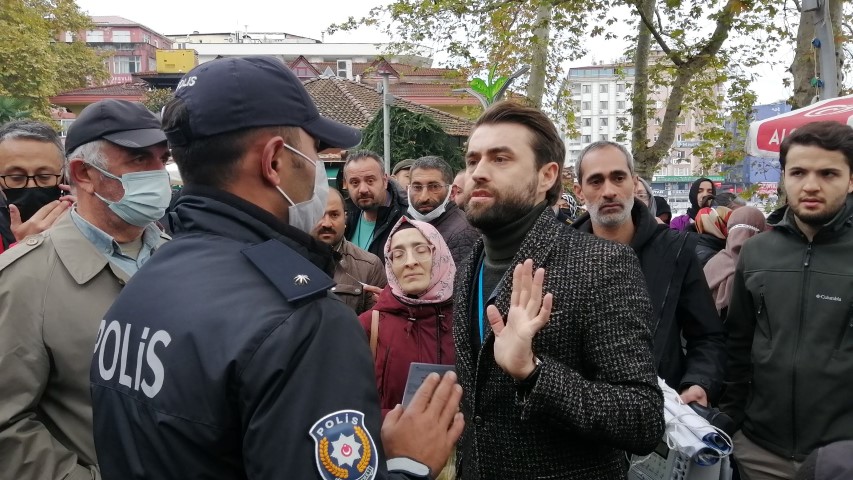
x=431, y=187
x=420, y=252
x=21, y=181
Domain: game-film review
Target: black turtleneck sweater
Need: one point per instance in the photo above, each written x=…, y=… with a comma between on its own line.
x=502, y=244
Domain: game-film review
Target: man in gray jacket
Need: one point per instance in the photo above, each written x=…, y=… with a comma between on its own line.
x=429, y=201
x=56, y=286
x=790, y=321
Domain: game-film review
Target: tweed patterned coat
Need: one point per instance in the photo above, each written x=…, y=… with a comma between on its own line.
x=596, y=395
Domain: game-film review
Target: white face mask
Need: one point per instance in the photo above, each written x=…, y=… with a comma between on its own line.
x=435, y=213
x=306, y=214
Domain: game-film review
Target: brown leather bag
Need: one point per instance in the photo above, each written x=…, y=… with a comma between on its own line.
x=374, y=332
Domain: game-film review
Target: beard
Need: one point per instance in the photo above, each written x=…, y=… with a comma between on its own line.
x=818, y=219
x=509, y=206
x=610, y=220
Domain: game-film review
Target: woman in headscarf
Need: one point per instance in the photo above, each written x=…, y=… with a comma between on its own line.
x=712, y=228
x=412, y=320
x=645, y=194
x=744, y=223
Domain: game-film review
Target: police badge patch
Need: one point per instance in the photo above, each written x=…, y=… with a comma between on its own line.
x=345, y=449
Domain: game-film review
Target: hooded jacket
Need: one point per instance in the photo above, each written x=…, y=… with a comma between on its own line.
x=681, y=302
x=790, y=348
x=416, y=328
x=386, y=217
x=682, y=221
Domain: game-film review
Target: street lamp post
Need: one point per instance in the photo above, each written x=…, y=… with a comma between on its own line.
x=387, y=99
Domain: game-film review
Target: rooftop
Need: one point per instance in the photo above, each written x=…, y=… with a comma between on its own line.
x=356, y=104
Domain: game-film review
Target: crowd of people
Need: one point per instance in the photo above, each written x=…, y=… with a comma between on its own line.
x=272, y=332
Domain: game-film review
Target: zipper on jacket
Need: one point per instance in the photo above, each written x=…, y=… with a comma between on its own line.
x=806, y=277
x=761, y=304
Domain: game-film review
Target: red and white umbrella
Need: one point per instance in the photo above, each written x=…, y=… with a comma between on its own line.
x=765, y=136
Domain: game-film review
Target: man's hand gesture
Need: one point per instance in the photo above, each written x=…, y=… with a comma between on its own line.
x=528, y=313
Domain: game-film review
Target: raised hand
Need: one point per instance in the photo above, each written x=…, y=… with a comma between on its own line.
x=40, y=221
x=529, y=311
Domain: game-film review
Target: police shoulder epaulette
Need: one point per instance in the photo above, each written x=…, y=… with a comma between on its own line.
x=291, y=273
x=22, y=248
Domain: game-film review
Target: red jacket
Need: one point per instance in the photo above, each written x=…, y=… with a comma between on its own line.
x=407, y=333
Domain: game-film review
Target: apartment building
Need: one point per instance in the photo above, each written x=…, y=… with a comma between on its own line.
x=131, y=46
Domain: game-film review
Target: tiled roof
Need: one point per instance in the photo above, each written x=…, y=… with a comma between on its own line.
x=355, y=104
x=126, y=89
x=359, y=68
x=425, y=90
x=112, y=20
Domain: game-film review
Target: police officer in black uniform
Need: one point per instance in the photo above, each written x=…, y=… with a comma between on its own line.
x=227, y=357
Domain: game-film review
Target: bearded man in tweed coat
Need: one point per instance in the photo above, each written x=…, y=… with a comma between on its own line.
x=560, y=386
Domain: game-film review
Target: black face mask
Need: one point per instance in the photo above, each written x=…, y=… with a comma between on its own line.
x=30, y=200
x=566, y=211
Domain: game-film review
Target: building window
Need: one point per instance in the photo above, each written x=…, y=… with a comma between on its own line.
x=303, y=72
x=620, y=88
x=680, y=122
x=586, y=106
x=146, y=38
x=95, y=36
x=127, y=64
x=156, y=43
x=602, y=122
x=604, y=105
x=152, y=64
x=577, y=104
x=620, y=104
x=587, y=122
x=603, y=137
x=657, y=121
x=602, y=88
x=586, y=88
x=121, y=36
x=586, y=138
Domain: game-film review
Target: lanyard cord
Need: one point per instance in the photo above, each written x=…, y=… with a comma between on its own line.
x=481, y=305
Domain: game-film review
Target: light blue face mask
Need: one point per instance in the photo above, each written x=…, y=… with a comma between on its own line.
x=146, y=196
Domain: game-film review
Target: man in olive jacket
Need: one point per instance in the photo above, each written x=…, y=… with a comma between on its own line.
x=790, y=321
x=56, y=286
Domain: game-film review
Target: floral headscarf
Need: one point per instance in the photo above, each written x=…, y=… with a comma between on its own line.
x=744, y=223
x=713, y=221
x=440, y=287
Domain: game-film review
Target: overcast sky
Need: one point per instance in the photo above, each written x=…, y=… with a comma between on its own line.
x=309, y=18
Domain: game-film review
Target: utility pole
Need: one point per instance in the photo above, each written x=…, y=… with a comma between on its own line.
x=387, y=99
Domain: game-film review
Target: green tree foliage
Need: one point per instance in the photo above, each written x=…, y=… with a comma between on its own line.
x=477, y=35
x=13, y=109
x=34, y=64
x=699, y=45
x=413, y=135
x=157, y=98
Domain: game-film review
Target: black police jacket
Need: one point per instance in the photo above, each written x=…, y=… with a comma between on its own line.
x=226, y=357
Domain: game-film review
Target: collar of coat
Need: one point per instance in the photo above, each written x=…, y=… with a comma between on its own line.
x=78, y=255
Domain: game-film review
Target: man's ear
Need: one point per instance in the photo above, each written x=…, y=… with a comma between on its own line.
x=272, y=160
x=80, y=175
x=549, y=174
x=578, y=192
